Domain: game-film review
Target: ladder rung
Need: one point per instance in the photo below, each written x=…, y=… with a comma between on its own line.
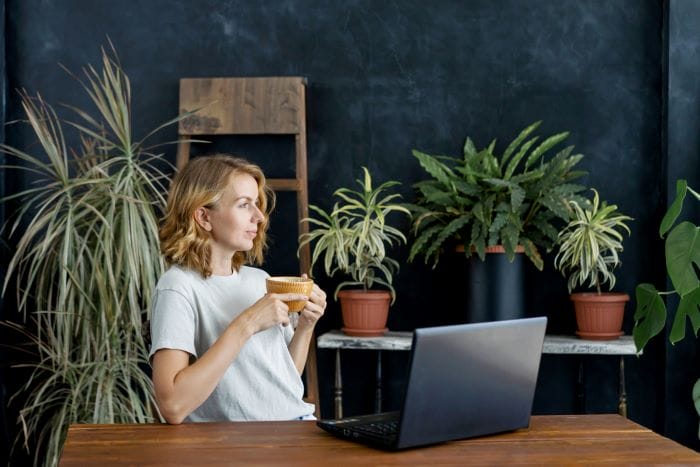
x=284, y=184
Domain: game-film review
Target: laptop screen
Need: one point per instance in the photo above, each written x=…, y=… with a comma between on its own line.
x=470, y=380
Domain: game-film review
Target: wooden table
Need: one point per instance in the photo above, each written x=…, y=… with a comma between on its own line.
x=550, y=440
x=398, y=340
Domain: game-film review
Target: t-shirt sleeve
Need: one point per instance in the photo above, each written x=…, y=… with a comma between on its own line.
x=172, y=323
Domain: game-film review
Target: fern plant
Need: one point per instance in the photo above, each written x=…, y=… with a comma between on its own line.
x=482, y=199
x=86, y=263
x=590, y=243
x=354, y=235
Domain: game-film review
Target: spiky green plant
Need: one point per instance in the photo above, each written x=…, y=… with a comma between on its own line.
x=354, y=235
x=483, y=199
x=86, y=262
x=590, y=243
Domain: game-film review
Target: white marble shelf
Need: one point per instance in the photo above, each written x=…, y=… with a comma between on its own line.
x=392, y=340
x=624, y=345
x=395, y=340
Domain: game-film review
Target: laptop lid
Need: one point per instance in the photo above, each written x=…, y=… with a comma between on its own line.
x=471, y=380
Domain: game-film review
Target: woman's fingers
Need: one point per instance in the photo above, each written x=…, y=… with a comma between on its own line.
x=288, y=297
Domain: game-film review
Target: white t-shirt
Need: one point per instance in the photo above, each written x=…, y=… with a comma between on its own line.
x=190, y=313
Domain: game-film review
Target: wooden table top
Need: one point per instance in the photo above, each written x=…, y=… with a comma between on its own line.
x=551, y=439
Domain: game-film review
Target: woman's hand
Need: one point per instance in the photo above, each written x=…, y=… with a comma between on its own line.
x=309, y=316
x=314, y=308
x=269, y=311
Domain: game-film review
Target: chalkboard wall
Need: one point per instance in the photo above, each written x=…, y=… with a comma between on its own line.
x=386, y=77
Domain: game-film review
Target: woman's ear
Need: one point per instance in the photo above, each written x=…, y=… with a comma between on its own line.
x=201, y=217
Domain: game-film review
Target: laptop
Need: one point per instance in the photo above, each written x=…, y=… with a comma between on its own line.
x=464, y=380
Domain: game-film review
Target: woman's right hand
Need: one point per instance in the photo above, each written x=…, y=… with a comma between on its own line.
x=269, y=311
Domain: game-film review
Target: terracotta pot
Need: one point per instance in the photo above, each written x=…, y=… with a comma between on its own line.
x=599, y=317
x=364, y=312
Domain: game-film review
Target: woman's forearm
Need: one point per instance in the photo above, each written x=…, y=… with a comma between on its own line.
x=299, y=347
x=180, y=392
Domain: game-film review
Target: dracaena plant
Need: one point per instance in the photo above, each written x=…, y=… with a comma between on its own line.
x=86, y=262
x=353, y=237
x=590, y=244
x=682, y=252
x=516, y=198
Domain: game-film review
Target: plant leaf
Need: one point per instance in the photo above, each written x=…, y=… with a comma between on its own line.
x=687, y=308
x=649, y=316
x=683, y=256
x=675, y=209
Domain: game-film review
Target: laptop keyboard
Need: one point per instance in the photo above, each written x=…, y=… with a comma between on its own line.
x=379, y=428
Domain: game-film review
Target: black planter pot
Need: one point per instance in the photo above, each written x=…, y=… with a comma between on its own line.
x=495, y=288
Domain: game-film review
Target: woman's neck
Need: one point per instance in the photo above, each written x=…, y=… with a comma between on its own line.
x=221, y=265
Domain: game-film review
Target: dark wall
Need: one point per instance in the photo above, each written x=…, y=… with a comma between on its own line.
x=386, y=77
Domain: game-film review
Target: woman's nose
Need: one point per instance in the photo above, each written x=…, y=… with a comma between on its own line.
x=259, y=216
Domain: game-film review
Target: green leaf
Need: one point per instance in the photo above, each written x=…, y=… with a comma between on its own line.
x=517, y=196
x=545, y=146
x=512, y=165
x=557, y=205
x=675, y=209
x=687, y=308
x=434, y=167
x=498, y=222
x=466, y=188
x=649, y=316
x=516, y=142
x=696, y=397
x=510, y=236
x=683, y=256
x=532, y=253
x=449, y=230
x=469, y=150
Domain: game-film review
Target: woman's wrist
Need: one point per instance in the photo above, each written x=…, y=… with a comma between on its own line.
x=305, y=326
x=243, y=326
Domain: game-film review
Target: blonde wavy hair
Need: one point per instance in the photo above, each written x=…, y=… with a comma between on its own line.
x=201, y=183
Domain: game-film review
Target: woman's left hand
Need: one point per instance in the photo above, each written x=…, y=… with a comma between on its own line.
x=314, y=308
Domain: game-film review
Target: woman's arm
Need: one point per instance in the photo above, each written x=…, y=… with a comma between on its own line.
x=309, y=316
x=180, y=387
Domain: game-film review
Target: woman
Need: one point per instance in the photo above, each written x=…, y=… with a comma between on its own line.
x=222, y=348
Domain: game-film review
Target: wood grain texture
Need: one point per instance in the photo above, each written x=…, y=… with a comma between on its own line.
x=550, y=440
x=223, y=106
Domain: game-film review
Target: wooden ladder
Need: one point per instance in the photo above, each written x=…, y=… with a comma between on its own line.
x=255, y=106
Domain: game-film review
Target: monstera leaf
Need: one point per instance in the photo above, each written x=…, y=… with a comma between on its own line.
x=687, y=308
x=682, y=257
x=650, y=315
x=682, y=252
x=682, y=263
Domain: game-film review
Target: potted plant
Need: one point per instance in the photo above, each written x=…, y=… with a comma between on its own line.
x=484, y=201
x=682, y=252
x=353, y=239
x=589, y=248
x=86, y=262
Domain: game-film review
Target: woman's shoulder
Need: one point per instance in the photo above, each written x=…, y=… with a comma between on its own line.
x=251, y=273
x=176, y=277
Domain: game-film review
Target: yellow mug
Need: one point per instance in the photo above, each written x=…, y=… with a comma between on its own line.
x=290, y=284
